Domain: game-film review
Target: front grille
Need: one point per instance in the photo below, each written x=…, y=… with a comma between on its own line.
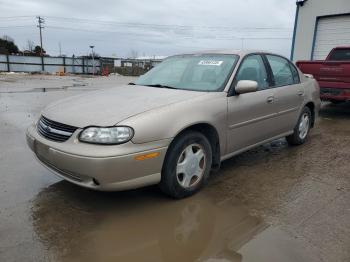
x=55, y=131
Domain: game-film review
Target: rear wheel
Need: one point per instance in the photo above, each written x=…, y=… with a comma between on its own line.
x=302, y=128
x=187, y=165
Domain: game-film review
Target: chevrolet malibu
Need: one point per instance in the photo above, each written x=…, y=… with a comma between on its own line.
x=177, y=122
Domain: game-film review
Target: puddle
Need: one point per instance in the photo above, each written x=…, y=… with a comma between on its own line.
x=74, y=87
x=42, y=220
x=80, y=225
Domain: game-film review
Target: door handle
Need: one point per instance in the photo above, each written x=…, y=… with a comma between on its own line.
x=300, y=93
x=270, y=99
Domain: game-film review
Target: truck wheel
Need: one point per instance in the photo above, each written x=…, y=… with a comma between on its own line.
x=302, y=128
x=187, y=165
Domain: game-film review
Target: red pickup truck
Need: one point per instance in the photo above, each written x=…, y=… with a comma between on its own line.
x=332, y=74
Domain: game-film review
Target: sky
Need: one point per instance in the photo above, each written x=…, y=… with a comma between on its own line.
x=125, y=28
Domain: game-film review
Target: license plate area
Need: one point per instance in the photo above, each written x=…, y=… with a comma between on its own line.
x=330, y=91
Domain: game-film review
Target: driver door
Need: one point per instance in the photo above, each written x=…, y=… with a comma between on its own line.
x=251, y=115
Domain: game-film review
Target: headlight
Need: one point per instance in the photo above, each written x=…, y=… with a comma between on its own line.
x=106, y=135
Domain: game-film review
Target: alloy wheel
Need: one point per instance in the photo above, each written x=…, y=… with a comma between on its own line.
x=304, y=125
x=191, y=166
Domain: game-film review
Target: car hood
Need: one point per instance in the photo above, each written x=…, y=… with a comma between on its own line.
x=108, y=107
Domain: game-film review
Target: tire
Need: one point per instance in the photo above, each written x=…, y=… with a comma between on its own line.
x=187, y=165
x=302, y=128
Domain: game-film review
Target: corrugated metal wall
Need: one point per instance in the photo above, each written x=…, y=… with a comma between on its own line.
x=331, y=32
x=306, y=24
x=15, y=63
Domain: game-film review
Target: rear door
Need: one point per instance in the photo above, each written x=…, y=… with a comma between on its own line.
x=289, y=92
x=251, y=115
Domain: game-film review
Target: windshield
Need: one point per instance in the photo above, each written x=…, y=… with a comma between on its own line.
x=191, y=72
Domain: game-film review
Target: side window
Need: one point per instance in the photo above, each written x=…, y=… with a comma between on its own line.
x=253, y=68
x=282, y=71
x=295, y=73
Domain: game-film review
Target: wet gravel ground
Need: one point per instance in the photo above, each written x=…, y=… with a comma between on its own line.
x=272, y=203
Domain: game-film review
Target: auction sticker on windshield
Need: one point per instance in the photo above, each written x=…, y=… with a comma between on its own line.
x=210, y=62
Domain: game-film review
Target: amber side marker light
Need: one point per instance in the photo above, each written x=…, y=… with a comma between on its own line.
x=147, y=156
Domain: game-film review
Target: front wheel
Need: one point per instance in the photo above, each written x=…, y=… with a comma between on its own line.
x=187, y=165
x=302, y=128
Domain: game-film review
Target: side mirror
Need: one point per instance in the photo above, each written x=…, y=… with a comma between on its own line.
x=246, y=86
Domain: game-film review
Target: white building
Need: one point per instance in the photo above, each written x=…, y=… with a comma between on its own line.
x=320, y=25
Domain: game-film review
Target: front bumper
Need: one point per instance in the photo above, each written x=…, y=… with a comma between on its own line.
x=106, y=168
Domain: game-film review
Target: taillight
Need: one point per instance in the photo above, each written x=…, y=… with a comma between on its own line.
x=346, y=92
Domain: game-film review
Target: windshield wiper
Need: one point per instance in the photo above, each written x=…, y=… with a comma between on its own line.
x=161, y=86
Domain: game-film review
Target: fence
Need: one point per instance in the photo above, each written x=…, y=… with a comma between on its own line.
x=134, y=67
x=75, y=65
x=14, y=63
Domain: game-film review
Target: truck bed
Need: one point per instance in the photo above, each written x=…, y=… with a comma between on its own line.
x=332, y=76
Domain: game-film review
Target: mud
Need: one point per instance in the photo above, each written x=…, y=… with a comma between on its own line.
x=273, y=203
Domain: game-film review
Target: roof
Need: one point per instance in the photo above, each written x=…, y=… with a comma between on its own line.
x=242, y=52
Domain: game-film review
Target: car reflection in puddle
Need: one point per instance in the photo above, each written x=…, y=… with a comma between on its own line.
x=76, y=224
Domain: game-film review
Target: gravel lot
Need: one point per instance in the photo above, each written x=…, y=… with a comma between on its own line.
x=273, y=203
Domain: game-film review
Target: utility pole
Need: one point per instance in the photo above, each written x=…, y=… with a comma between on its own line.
x=41, y=21
x=59, y=46
x=93, y=60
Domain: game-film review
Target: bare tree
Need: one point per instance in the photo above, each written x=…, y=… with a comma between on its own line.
x=134, y=54
x=8, y=38
x=30, y=45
